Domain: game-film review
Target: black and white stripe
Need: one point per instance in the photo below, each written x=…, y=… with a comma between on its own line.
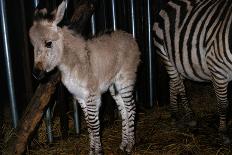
x=193, y=38
x=122, y=92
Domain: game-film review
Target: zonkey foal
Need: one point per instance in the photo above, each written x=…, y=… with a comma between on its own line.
x=88, y=69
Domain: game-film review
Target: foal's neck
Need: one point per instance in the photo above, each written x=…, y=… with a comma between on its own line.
x=75, y=56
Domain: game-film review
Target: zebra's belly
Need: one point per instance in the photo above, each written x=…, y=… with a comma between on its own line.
x=194, y=72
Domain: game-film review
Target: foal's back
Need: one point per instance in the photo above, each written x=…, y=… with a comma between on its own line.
x=112, y=54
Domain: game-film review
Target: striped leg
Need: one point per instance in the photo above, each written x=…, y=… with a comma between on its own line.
x=173, y=99
x=188, y=115
x=171, y=70
x=91, y=112
x=177, y=89
x=220, y=88
x=123, y=96
x=176, y=84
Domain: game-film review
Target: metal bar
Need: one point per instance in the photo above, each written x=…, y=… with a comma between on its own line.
x=35, y=2
x=132, y=3
x=150, y=55
x=25, y=56
x=103, y=19
x=76, y=116
x=66, y=6
x=93, y=24
x=114, y=15
x=7, y=56
x=132, y=12
x=49, y=125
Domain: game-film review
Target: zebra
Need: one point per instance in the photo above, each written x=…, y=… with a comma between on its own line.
x=88, y=69
x=193, y=39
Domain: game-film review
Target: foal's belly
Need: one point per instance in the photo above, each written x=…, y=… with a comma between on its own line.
x=76, y=88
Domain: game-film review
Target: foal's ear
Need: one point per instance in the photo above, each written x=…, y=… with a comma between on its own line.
x=59, y=14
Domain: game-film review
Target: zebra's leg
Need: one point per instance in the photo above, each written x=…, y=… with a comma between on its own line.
x=188, y=117
x=177, y=88
x=173, y=100
x=91, y=112
x=220, y=88
x=123, y=95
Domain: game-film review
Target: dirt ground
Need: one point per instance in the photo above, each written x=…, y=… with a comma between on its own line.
x=155, y=133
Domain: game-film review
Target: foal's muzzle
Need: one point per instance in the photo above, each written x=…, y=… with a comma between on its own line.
x=38, y=74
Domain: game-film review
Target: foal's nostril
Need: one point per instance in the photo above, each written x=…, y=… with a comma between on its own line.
x=38, y=74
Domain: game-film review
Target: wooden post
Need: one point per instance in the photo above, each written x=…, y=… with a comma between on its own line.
x=32, y=116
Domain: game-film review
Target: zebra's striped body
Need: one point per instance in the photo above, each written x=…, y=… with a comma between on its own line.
x=193, y=38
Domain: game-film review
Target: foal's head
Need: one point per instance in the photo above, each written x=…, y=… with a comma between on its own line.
x=47, y=39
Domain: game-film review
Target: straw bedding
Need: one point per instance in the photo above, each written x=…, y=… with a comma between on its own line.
x=155, y=132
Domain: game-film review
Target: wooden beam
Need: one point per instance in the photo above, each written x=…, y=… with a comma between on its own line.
x=32, y=116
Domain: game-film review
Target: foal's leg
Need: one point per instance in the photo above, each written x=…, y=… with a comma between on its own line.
x=91, y=112
x=91, y=139
x=122, y=93
x=123, y=113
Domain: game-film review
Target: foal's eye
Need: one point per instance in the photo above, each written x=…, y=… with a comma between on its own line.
x=48, y=44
